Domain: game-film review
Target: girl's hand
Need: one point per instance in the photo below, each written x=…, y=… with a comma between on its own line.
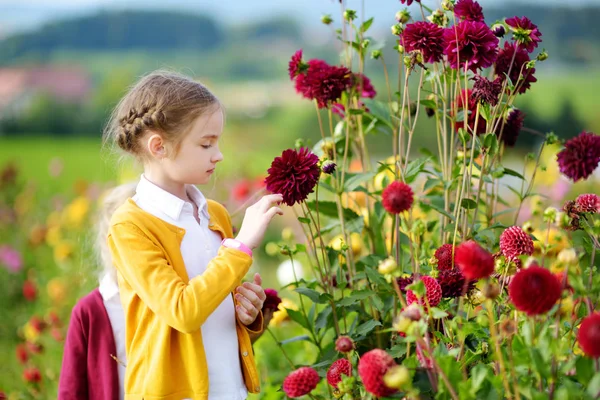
x=250, y=298
x=257, y=218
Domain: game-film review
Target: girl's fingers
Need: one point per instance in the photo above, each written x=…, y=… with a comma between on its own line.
x=257, y=279
x=272, y=211
x=257, y=290
x=243, y=315
x=244, y=302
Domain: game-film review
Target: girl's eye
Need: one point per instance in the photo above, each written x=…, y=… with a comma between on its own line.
x=206, y=146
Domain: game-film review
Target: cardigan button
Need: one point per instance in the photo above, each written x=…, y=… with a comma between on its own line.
x=257, y=388
x=245, y=354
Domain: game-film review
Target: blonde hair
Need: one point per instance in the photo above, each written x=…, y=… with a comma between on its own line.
x=163, y=102
x=110, y=202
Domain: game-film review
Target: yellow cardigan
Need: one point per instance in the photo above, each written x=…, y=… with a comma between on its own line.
x=164, y=309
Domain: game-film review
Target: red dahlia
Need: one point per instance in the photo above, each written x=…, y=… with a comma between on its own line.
x=588, y=203
x=470, y=43
x=426, y=37
x=22, y=354
x=486, y=91
x=444, y=258
x=364, y=86
x=469, y=10
x=589, y=335
x=452, y=283
x=339, y=367
x=372, y=368
x=29, y=290
x=508, y=132
x=519, y=73
x=32, y=375
x=534, y=290
x=409, y=2
x=397, y=197
x=474, y=261
x=294, y=175
x=296, y=65
x=580, y=157
x=272, y=301
x=323, y=82
x=300, y=382
x=433, y=293
x=515, y=242
x=525, y=32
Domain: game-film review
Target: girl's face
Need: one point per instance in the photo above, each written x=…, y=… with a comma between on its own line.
x=199, y=153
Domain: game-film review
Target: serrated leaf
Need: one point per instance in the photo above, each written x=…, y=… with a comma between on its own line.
x=367, y=327
x=354, y=180
x=313, y=295
x=298, y=317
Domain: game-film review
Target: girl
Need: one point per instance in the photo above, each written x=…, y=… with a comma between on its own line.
x=186, y=336
x=93, y=364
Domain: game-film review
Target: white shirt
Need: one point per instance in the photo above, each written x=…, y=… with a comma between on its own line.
x=198, y=247
x=109, y=290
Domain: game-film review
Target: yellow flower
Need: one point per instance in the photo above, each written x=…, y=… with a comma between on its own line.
x=356, y=244
x=287, y=234
x=62, y=251
x=76, y=211
x=53, y=219
x=557, y=241
x=281, y=314
x=53, y=236
x=566, y=307
x=57, y=290
x=31, y=334
x=387, y=266
x=567, y=257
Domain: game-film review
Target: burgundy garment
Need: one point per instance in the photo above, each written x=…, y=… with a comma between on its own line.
x=88, y=370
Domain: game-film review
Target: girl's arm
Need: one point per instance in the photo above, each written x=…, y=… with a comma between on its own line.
x=184, y=306
x=73, y=374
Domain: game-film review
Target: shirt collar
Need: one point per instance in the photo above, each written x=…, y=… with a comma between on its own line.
x=168, y=203
x=108, y=287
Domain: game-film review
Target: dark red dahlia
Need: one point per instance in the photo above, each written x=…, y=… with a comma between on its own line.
x=294, y=175
x=337, y=369
x=508, y=132
x=452, y=282
x=372, y=367
x=580, y=157
x=32, y=375
x=444, y=258
x=589, y=335
x=296, y=65
x=534, y=290
x=22, y=353
x=525, y=32
x=344, y=344
x=470, y=43
x=588, y=203
x=364, y=86
x=323, y=82
x=409, y=2
x=300, y=382
x=29, y=290
x=515, y=242
x=469, y=10
x=486, y=91
x=474, y=261
x=472, y=111
x=433, y=293
x=397, y=197
x=519, y=73
x=272, y=301
x=426, y=37
x=404, y=282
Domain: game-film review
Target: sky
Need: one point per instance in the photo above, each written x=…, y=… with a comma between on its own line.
x=28, y=14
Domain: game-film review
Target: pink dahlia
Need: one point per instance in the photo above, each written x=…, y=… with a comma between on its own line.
x=515, y=242
x=589, y=335
x=426, y=37
x=323, y=82
x=470, y=43
x=300, y=382
x=433, y=293
x=508, y=132
x=519, y=74
x=525, y=32
x=588, y=203
x=372, y=367
x=337, y=369
x=296, y=65
x=294, y=175
x=469, y=10
x=580, y=157
x=397, y=197
x=534, y=290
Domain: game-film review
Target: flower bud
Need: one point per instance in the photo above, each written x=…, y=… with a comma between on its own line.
x=403, y=16
x=568, y=257
x=498, y=30
x=272, y=249
x=508, y=327
x=530, y=64
x=397, y=29
x=528, y=227
x=326, y=19
x=447, y=5
x=365, y=43
x=543, y=56
x=550, y=214
x=402, y=324
x=439, y=17
x=299, y=143
x=349, y=15
x=563, y=220
x=387, y=266
x=397, y=377
x=376, y=54
x=328, y=167
x=412, y=312
x=344, y=344
x=400, y=49
x=491, y=290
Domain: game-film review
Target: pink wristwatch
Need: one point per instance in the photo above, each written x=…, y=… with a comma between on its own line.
x=236, y=244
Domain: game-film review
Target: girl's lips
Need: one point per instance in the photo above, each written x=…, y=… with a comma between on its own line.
x=210, y=171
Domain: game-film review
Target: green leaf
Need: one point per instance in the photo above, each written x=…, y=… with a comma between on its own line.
x=438, y=209
x=296, y=339
x=367, y=327
x=329, y=209
x=418, y=288
x=322, y=317
x=437, y=313
x=366, y=25
x=304, y=220
x=594, y=386
x=431, y=183
x=354, y=180
x=298, y=317
x=512, y=172
x=355, y=297
x=313, y=295
x=469, y=204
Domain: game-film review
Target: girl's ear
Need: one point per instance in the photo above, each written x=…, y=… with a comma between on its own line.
x=156, y=146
